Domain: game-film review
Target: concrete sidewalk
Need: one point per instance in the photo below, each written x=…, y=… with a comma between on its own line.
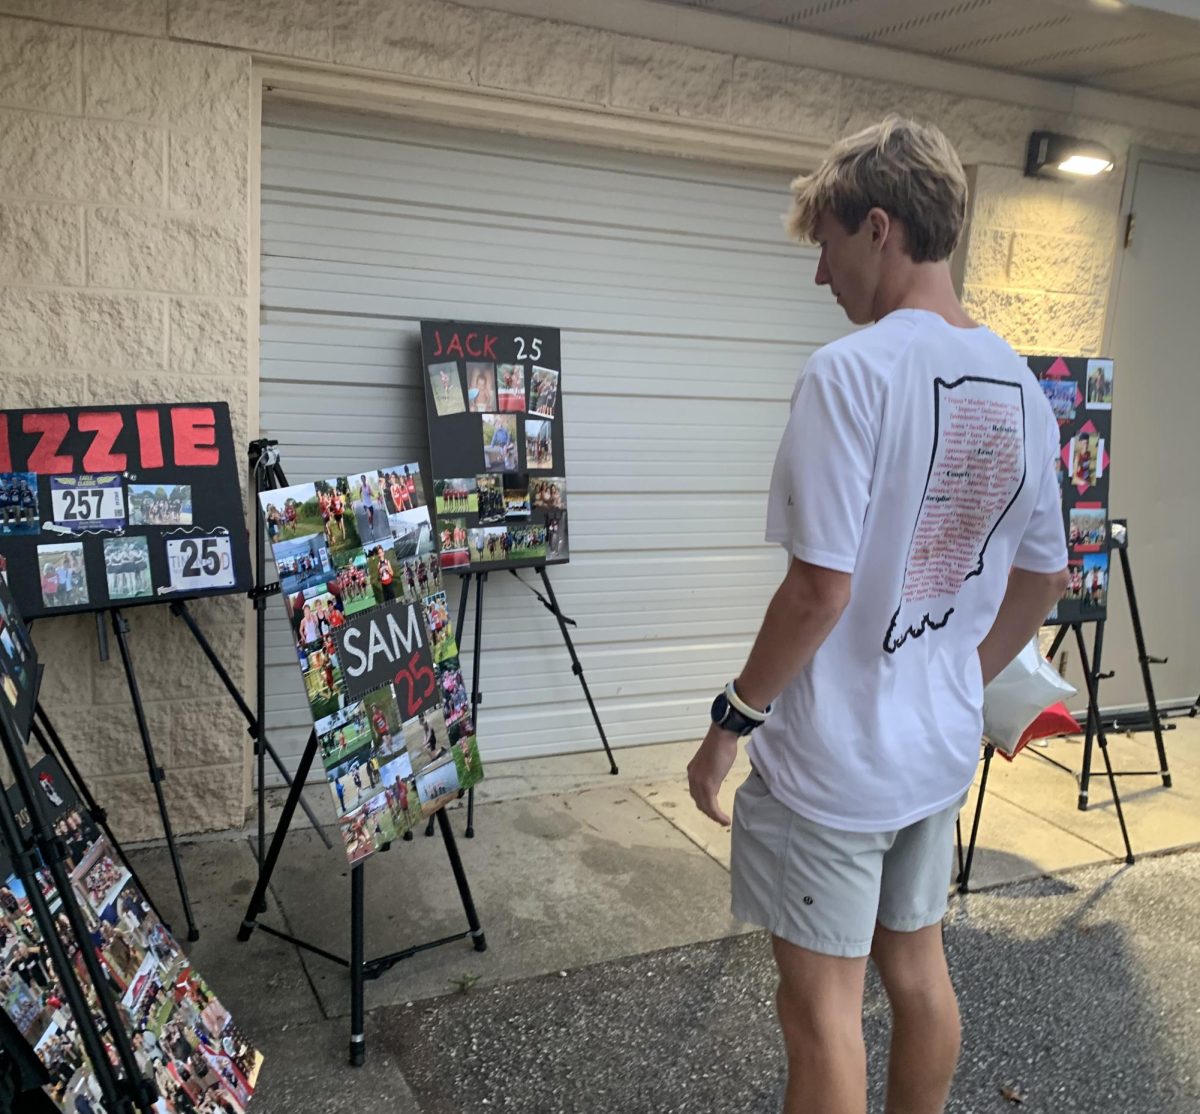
x=606, y=899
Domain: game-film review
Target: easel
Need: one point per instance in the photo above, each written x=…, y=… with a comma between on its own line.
x=550, y=603
x=1097, y=724
x=267, y=474
x=43, y=849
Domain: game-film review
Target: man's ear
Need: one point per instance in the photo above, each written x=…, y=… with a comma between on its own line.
x=881, y=227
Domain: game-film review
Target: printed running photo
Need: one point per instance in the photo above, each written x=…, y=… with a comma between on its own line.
x=1087, y=453
x=516, y=496
x=333, y=505
x=127, y=568
x=343, y=734
x=489, y=493
x=539, y=445
x=446, y=382
x=1087, y=528
x=1062, y=395
x=354, y=583
x=557, y=544
x=426, y=738
x=441, y=631
x=1099, y=384
x=481, y=387
x=402, y=488
x=456, y=496
x=63, y=574
x=511, y=378
x=452, y=543
x=19, y=503
x=412, y=532
x=1095, y=581
x=322, y=676
x=548, y=493
x=543, y=391
x=159, y=506
x=499, y=442
x=487, y=544
x=526, y=543
x=367, y=502
x=302, y=563
x=420, y=576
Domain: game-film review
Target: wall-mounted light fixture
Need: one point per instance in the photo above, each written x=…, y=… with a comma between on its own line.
x=1065, y=157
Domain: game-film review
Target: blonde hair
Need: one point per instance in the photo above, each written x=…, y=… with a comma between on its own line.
x=908, y=170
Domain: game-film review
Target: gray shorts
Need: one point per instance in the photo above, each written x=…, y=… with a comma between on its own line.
x=824, y=889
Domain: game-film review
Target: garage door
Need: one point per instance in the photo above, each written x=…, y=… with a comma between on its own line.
x=685, y=316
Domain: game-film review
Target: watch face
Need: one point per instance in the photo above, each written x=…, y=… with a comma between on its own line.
x=720, y=709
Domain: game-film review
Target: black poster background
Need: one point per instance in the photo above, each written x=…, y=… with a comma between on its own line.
x=215, y=493
x=456, y=440
x=1087, y=415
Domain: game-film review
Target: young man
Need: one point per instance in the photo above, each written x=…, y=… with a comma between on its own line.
x=915, y=493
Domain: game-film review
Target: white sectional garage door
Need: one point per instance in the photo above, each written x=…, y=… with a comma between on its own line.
x=685, y=316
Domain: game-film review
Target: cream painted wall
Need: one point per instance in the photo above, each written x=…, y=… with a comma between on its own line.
x=127, y=269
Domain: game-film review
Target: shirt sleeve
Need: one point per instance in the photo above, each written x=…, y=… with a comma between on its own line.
x=1043, y=547
x=823, y=474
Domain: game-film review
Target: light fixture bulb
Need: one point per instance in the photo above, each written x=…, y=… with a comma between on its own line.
x=1084, y=164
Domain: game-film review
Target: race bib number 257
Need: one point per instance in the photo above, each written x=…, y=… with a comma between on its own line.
x=200, y=563
x=88, y=502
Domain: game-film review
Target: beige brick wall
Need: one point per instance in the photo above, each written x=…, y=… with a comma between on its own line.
x=125, y=146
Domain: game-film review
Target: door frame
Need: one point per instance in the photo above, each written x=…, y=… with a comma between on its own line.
x=1138, y=155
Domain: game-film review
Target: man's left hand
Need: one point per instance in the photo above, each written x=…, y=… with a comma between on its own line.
x=708, y=769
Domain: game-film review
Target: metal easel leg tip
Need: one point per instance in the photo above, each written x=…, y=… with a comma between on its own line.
x=481, y=942
x=243, y=933
x=1083, y=804
x=614, y=771
x=1166, y=781
x=193, y=934
x=1129, y=860
x=469, y=833
x=408, y=836
x=358, y=1051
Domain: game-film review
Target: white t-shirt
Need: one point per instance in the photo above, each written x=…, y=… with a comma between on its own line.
x=919, y=457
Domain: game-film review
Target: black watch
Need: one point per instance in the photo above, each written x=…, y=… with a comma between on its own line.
x=725, y=715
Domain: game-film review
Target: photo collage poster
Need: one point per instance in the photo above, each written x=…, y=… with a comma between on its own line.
x=1080, y=390
x=493, y=403
x=114, y=506
x=361, y=581
x=184, y=1040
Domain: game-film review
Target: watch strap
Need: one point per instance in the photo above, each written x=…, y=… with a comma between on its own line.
x=751, y=713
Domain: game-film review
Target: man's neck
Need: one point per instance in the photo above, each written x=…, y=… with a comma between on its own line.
x=926, y=286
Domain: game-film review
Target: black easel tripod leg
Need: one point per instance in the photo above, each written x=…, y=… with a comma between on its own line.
x=157, y=776
x=460, y=878
x=576, y=667
x=259, y=897
x=1094, y=714
x=180, y=610
x=1145, y=660
x=358, y=1040
x=1093, y=728
x=964, y=879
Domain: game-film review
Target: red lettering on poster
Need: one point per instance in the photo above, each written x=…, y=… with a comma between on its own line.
x=150, y=436
x=5, y=451
x=106, y=425
x=195, y=433
x=45, y=457
x=472, y=346
x=410, y=674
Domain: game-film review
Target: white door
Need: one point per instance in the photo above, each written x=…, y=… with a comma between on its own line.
x=685, y=316
x=1156, y=419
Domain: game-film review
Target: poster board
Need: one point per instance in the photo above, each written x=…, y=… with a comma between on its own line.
x=370, y=623
x=194, y=1046
x=114, y=506
x=1080, y=390
x=494, y=408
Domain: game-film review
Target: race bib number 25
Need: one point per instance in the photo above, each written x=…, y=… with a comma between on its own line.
x=200, y=563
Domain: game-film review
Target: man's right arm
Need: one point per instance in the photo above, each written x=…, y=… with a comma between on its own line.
x=1027, y=602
